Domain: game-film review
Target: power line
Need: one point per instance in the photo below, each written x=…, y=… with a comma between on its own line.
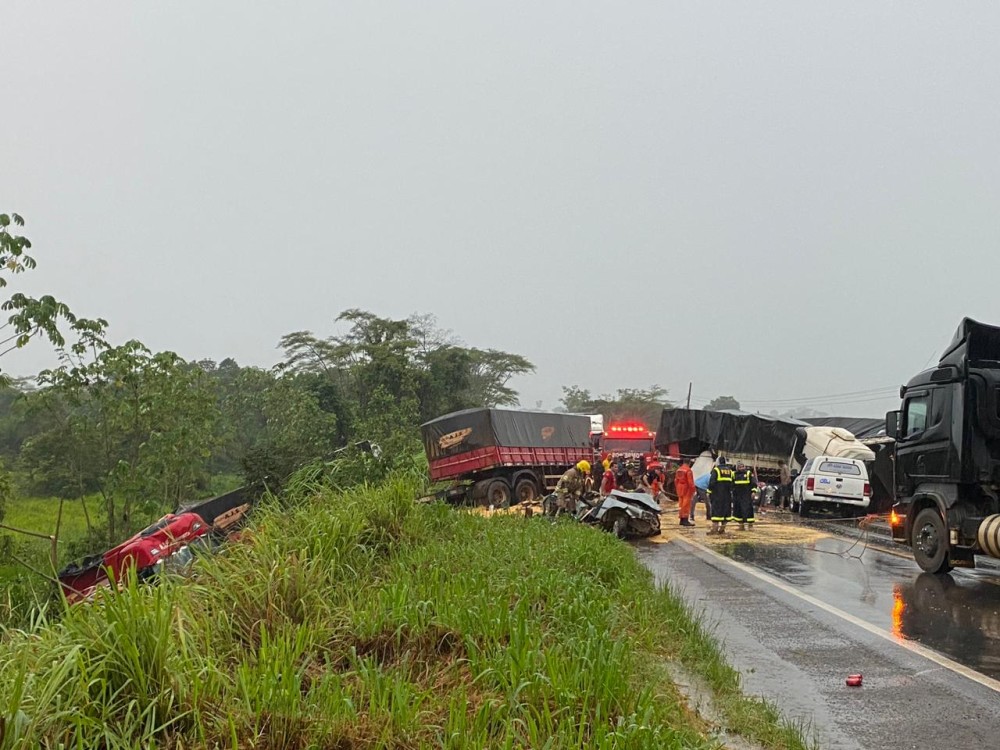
x=828, y=396
x=870, y=395
x=843, y=400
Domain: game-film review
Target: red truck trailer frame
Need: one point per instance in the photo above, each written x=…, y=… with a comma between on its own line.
x=499, y=456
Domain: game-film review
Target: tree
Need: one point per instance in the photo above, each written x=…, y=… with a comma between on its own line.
x=722, y=402
x=139, y=426
x=403, y=363
x=576, y=400
x=628, y=404
x=275, y=425
x=304, y=352
x=32, y=316
x=491, y=372
x=446, y=382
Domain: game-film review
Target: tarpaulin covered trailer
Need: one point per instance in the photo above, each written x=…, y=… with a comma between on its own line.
x=755, y=438
x=760, y=441
x=505, y=452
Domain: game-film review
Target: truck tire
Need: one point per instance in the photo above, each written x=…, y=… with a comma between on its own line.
x=478, y=493
x=526, y=490
x=803, y=509
x=498, y=494
x=929, y=540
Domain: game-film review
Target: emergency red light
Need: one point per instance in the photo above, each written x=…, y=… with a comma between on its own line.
x=626, y=428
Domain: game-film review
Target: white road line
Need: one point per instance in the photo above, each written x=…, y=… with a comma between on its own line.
x=916, y=648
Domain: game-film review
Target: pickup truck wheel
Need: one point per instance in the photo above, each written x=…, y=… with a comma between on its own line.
x=616, y=522
x=803, y=509
x=930, y=541
x=498, y=494
x=525, y=491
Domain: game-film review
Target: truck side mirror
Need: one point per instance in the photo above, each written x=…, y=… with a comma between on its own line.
x=892, y=424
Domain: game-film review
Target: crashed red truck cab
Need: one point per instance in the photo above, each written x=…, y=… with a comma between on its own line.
x=632, y=441
x=140, y=553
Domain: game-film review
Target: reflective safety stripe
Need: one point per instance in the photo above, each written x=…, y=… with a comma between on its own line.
x=723, y=475
x=740, y=481
x=716, y=519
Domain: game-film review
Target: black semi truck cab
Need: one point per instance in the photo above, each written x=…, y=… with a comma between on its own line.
x=947, y=454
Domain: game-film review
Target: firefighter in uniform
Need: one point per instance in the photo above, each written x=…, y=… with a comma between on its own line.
x=742, y=496
x=720, y=493
x=571, y=486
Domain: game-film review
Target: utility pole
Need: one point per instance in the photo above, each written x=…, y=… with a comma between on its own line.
x=689, y=395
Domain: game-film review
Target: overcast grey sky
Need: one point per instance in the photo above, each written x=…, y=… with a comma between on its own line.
x=773, y=200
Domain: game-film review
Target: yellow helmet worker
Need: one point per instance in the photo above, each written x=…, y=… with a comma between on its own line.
x=583, y=466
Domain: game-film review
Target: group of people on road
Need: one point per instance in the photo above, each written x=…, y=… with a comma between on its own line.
x=620, y=475
x=730, y=494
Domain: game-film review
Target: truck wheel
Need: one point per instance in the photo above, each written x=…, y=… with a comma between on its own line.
x=498, y=494
x=930, y=541
x=479, y=492
x=803, y=509
x=525, y=491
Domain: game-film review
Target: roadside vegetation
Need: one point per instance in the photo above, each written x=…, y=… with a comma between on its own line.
x=362, y=619
x=127, y=433
x=347, y=615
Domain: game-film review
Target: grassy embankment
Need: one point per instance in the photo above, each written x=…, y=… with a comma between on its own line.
x=365, y=620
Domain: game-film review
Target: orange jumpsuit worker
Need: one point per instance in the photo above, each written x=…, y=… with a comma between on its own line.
x=684, y=486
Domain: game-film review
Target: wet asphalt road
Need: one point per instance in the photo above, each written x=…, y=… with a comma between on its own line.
x=840, y=608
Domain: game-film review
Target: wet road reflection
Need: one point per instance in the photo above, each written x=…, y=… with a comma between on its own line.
x=957, y=614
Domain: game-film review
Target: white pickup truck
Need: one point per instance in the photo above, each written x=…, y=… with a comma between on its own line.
x=832, y=482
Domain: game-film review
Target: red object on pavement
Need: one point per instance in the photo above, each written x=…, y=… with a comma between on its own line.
x=854, y=680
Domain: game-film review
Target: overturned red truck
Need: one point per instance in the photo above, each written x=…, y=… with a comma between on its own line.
x=166, y=540
x=499, y=456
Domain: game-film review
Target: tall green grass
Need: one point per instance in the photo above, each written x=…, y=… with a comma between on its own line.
x=361, y=619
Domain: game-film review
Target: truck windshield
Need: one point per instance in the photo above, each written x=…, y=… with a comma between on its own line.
x=840, y=467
